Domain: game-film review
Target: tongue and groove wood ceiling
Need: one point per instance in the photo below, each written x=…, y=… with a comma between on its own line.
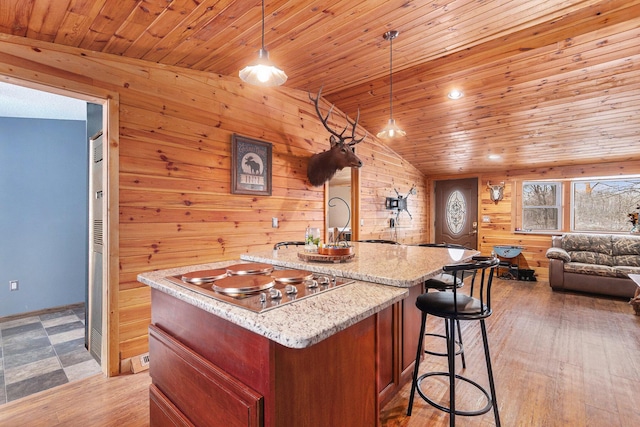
x=546, y=82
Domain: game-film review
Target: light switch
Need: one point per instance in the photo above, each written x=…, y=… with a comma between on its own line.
x=274, y=222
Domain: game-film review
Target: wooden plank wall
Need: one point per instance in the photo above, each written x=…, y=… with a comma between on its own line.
x=175, y=205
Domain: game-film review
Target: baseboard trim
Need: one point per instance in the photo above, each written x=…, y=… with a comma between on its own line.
x=41, y=312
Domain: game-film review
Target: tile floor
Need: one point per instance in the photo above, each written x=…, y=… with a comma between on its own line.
x=41, y=352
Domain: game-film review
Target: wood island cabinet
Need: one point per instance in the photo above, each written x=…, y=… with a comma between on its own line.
x=207, y=371
x=397, y=329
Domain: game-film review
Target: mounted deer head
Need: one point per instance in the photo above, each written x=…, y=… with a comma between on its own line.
x=496, y=192
x=322, y=166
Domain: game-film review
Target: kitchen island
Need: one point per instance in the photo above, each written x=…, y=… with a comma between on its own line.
x=315, y=362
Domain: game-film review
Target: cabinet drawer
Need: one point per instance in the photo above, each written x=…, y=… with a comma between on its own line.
x=205, y=394
x=163, y=413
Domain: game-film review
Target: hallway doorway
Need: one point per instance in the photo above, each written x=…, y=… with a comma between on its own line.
x=66, y=282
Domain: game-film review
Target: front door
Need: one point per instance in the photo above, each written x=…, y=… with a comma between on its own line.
x=456, y=216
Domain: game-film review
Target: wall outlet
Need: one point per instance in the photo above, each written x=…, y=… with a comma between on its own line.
x=274, y=222
x=14, y=285
x=392, y=222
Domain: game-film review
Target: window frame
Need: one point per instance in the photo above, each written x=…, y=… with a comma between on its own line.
x=558, y=205
x=574, y=182
x=566, y=214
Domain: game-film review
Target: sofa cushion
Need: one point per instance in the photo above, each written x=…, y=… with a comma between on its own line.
x=591, y=269
x=600, y=243
x=624, y=271
x=626, y=251
x=558, y=253
x=589, y=248
x=588, y=257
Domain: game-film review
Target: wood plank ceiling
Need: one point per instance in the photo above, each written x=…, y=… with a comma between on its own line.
x=546, y=82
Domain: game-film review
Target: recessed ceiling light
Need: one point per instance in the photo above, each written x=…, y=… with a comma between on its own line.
x=455, y=94
x=494, y=157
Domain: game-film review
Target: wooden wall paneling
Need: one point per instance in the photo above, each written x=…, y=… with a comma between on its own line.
x=171, y=134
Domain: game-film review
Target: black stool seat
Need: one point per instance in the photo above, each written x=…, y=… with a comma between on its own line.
x=442, y=283
x=447, y=304
x=454, y=306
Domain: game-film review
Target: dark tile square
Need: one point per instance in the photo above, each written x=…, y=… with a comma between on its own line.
x=23, y=338
x=19, y=346
x=74, y=357
x=22, y=329
x=3, y=395
x=28, y=356
x=66, y=327
x=35, y=384
x=69, y=346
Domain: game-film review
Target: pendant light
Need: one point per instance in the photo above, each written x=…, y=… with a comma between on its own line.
x=262, y=72
x=391, y=130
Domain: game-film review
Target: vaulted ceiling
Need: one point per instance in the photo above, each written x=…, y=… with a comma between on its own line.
x=546, y=82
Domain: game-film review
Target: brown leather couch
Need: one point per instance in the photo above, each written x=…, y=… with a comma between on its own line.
x=595, y=263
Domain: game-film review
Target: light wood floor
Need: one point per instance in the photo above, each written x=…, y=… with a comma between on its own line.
x=559, y=360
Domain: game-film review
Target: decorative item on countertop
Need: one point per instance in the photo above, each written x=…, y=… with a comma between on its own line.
x=633, y=219
x=311, y=239
x=338, y=245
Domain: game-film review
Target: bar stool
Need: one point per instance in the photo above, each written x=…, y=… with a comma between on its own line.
x=387, y=242
x=444, y=282
x=287, y=244
x=454, y=306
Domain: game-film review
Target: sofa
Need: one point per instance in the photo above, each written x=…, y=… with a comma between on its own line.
x=595, y=263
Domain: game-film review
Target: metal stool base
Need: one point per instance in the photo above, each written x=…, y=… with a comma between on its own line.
x=427, y=399
x=459, y=351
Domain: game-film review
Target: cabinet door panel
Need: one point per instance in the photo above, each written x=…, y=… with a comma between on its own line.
x=411, y=322
x=201, y=391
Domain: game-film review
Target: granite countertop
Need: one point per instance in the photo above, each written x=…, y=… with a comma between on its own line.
x=296, y=325
x=393, y=265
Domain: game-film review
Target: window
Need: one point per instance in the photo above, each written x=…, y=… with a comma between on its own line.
x=604, y=205
x=541, y=205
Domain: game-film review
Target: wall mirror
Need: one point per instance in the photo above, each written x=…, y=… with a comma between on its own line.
x=338, y=215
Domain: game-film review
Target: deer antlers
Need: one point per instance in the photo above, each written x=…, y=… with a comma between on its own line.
x=335, y=136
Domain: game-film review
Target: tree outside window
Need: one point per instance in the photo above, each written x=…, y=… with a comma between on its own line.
x=604, y=205
x=541, y=205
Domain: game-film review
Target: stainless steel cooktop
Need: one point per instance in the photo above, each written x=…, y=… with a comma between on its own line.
x=259, y=292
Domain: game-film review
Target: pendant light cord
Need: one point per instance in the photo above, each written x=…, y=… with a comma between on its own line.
x=262, y=24
x=390, y=76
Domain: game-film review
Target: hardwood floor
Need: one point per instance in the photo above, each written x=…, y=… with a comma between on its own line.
x=559, y=360
x=96, y=401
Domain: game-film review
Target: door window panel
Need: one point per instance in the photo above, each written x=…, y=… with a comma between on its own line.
x=456, y=212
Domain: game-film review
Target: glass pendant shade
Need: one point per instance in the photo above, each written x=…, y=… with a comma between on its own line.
x=391, y=130
x=262, y=72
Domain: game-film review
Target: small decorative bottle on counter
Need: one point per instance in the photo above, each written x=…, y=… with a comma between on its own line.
x=312, y=239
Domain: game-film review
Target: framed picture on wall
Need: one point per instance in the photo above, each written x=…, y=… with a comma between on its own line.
x=250, y=166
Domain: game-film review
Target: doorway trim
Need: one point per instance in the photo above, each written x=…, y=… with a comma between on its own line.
x=110, y=102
